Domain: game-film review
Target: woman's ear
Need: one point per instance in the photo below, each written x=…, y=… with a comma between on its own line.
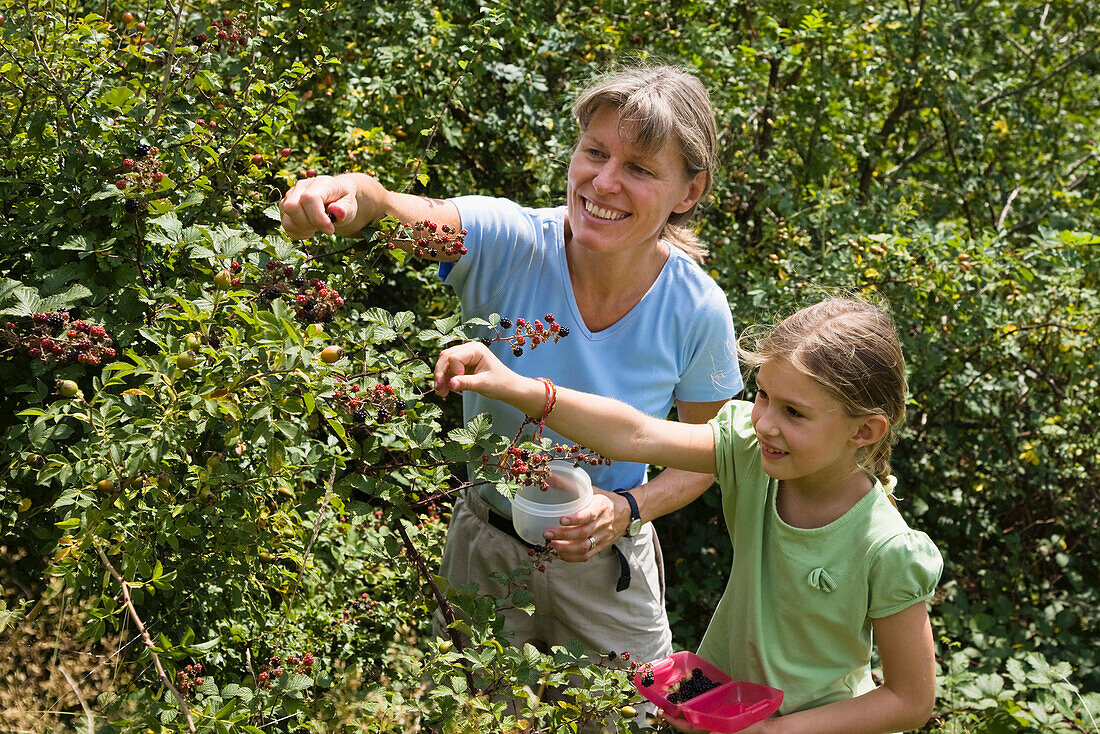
x=871, y=430
x=694, y=191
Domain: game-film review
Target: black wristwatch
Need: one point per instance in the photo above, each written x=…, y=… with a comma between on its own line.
x=635, y=517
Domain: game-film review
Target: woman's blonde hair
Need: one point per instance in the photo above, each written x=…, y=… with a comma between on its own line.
x=850, y=347
x=656, y=104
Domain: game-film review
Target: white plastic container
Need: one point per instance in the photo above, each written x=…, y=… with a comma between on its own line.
x=535, y=509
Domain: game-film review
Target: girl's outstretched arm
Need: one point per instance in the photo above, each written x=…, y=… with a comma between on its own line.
x=903, y=702
x=613, y=428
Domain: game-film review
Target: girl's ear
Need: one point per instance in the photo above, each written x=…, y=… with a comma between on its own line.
x=871, y=430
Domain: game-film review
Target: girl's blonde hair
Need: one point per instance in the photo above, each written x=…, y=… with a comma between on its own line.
x=657, y=104
x=850, y=347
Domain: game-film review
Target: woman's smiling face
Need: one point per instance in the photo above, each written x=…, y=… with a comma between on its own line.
x=620, y=197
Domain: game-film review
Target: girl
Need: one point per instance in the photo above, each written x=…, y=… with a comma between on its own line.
x=823, y=561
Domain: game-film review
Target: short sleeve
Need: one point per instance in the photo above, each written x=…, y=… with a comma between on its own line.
x=735, y=448
x=497, y=232
x=711, y=371
x=905, y=570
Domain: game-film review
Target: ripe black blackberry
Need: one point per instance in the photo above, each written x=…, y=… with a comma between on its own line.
x=563, y=331
x=300, y=280
x=506, y=323
x=141, y=150
x=383, y=415
x=360, y=415
x=690, y=686
x=485, y=340
x=399, y=406
x=270, y=293
x=55, y=320
x=132, y=206
x=517, y=350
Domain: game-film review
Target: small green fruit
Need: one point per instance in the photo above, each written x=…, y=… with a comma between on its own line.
x=106, y=485
x=446, y=646
x=223, y=280
x=194, y=342
x=68, y=388
x=331, y=354
x=187, y=360
x=214, y=461
x=628, y=712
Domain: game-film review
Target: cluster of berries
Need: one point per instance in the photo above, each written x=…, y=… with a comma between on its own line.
x=647, y=672
x=357, y=609
x=532, y=467
x=536, y=333
x=232, y=33
x=54, y=337
x=540, y=556
x=143, y=172
x=612, y=656
x=382, y=399
x=691, y=685
x=314, y=300
x=428, y=239
x=188, y=678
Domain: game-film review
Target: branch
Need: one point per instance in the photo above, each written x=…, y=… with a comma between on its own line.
x=80, y=698
x=1042, y=80
x=147, y=639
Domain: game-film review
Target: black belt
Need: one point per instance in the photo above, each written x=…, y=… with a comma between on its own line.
x=504, y=525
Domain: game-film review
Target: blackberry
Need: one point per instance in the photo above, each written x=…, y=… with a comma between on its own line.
x=647, y=679
x=270, y=293
x=691, y=686
x=399, y=406
x=485, y=340
x=132, y=206
x=506, y=323
x=141, y=150
x=383, y=415
x=563, y=331
x=300, y=280
x=517, y=350
x=55, y=320
x=360, y=415
x=214, y=340
x=198, y=39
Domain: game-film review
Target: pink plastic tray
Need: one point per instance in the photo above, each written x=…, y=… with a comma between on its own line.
x=731, y=707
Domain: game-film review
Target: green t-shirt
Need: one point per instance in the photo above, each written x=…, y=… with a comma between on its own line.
x=796, y=613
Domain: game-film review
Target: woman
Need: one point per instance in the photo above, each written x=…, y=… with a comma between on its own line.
x=615, y=266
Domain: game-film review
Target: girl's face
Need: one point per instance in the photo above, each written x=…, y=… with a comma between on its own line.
x=806, y=436
x=618, y=197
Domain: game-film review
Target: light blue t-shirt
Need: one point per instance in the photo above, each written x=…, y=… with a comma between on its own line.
x=677, y=343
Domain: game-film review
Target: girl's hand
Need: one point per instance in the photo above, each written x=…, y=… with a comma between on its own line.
x=472, y=366
x=681, y=724
x=320, y=204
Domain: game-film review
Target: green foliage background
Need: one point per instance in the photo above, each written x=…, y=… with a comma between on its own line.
x=942, y=155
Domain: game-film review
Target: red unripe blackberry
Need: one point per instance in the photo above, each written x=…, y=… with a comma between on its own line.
x=198, y=39
x=272, y=264
x=121, y=184
x=288, y=272
x=128, y=163
x=158, y=176
x=235, y=266
x=521, y=322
